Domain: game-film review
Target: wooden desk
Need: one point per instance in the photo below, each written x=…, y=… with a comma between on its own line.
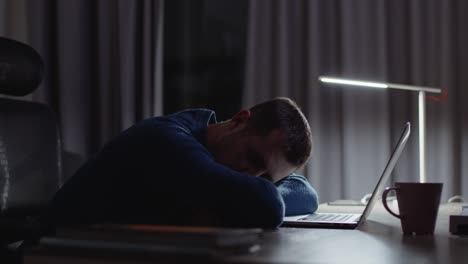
x=379, y=240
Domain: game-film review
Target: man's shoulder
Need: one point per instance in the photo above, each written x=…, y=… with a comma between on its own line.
x=190, y=115
x=191, y=119
x=196, y=113
x=167, y=139
x=180, y=130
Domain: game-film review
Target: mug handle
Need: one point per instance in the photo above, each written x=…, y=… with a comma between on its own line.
x=384, y=200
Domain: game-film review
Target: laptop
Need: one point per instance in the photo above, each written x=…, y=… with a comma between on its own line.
x=352, y=221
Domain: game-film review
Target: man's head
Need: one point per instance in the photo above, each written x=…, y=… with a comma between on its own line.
x=271, y=138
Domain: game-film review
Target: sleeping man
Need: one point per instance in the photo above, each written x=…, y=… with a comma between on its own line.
x=189, y=169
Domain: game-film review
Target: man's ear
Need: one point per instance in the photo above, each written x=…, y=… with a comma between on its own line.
x=242, y=117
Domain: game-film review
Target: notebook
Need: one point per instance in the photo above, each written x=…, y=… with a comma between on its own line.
x=127, y=243
x=351, y=221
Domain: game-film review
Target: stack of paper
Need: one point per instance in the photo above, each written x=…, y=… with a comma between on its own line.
x=134, y=243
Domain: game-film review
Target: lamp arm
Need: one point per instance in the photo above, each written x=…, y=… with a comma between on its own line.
x=414, y=88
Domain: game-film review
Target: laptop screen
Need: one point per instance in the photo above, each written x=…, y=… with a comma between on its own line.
x=387, y=171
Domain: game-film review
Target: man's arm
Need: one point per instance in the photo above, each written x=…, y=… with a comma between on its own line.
x=298, y=195
x=163, y=176
x=236, y=199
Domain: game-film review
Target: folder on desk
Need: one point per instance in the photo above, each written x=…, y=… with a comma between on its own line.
x=133, y=242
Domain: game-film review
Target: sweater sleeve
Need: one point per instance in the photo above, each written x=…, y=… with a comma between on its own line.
x=162, y=175
x=237, y=199
x=298, y=195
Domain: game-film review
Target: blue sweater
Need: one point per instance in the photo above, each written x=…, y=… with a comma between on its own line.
x=159, y=171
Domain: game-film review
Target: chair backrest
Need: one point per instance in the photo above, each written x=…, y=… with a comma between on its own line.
x=30, y=149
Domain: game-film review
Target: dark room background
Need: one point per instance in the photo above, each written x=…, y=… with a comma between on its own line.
x=110, y=63
x=204, y=55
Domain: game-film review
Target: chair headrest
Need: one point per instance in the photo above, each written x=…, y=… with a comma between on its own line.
x=21, y=68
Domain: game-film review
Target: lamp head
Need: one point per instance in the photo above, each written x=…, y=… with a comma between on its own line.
x=341, y=81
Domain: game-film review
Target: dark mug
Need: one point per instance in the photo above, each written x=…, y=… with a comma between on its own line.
x=418, y=204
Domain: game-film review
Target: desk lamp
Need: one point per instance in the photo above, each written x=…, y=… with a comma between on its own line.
x=421, y=108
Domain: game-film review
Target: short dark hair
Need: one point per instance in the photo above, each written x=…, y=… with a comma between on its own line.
x=284, y=114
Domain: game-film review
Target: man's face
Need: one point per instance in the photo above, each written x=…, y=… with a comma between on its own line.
x=254, y=155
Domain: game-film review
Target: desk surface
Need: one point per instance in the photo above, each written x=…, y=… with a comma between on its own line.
x=378, y=240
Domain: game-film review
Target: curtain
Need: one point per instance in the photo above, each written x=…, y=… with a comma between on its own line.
x=13, y=22
x=102, y=65
x=103, y=72
x=421, y=42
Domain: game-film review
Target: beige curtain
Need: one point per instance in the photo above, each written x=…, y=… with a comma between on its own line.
x=292, y=42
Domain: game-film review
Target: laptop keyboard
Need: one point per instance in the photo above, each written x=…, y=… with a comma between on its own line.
x=327, y=217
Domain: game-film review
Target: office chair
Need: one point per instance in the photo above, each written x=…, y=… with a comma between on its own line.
x=30, y=148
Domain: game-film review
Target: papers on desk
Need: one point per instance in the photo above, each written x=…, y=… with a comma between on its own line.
x=142, y=242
